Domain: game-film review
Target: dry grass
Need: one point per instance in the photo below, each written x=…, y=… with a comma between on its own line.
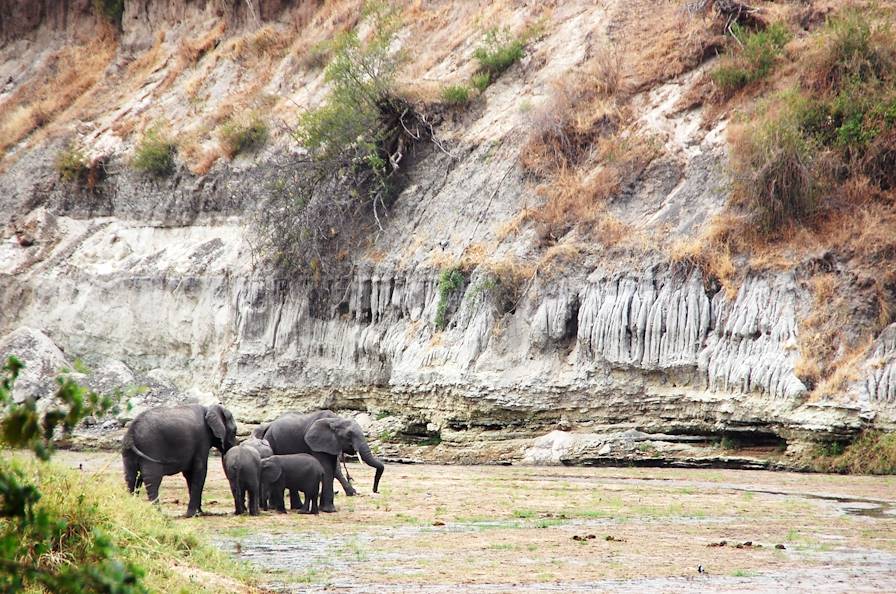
x=189, y=52
x=583, y=147
x=67, y=76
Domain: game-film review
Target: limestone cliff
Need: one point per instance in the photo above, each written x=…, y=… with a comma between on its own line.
x=154, y=282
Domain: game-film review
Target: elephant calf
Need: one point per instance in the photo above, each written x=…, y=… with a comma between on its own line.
x=242, y=465
x=264, y=450
x=294, y=472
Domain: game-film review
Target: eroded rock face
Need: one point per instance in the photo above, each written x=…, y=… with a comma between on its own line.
x=154, y=283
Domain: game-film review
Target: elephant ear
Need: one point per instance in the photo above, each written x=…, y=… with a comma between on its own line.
x=214, y=418
x=321, y=437
x=270, y=470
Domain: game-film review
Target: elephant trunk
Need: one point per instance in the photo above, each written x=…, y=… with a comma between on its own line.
x=370, y=460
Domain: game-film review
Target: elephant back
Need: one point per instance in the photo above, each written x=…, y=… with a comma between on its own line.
x=286, y=434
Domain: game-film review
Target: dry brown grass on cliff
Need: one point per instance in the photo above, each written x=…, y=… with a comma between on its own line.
x=582, y=148
x=65, y=77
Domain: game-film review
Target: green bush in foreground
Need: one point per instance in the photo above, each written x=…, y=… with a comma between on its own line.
x=155, y=154
x=456, y=94
x=72, y=532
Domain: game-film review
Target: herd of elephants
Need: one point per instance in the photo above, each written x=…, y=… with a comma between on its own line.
x=299, y=453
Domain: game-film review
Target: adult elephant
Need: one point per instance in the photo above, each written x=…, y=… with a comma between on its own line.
x=169, y=440
x=326, y=436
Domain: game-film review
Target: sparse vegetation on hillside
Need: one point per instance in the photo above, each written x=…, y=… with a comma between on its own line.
x=751, y=58
x=238, y=136
x=72, y=164
x=456, y=94
x=450, y=280
x=500, y=50
x=356, y=141
x=872, y=452
x=155, y=153
x=111, y=10
x=582, y=148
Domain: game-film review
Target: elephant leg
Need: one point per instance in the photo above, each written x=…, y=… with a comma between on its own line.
x=313, y=496
x=153, y=481
x=237, y=500
x=253, y=502
x=328, y=461
x=196, y=480
x=131, y=470
x=295, y=502
x=346, y=485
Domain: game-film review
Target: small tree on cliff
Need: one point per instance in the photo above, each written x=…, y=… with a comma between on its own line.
x=356, y=142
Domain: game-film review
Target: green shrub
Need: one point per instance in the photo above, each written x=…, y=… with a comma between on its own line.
x=450, y=280
x=481, y=81
x=852, y=49
x=111, y=10
x=237, y=137
x=355, y=140
x=753, y=58
x=499, y=51
x=72, y=164
x=154, y=154
x=456, y=94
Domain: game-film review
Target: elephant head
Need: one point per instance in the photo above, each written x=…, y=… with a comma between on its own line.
x=220, y=422
x=336, y=435
x=270, y=471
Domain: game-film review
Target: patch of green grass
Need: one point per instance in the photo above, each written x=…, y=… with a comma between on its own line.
x=143, y=535
x=501, y=546
x=524, y=513
x=456, y=95
x=752, y=59
x=481, y=81
x=155, y=154
x=499, y=51
x=743, y=573
x=450, y=280
x=240, y=136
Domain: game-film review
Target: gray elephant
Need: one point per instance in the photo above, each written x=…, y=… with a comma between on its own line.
x=326, y=436
x=242, y=466
x=166, y=441
x=295, y=473
x=264, y=450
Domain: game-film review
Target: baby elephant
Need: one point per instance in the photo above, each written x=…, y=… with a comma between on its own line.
x=242, y=465
x=295, y=472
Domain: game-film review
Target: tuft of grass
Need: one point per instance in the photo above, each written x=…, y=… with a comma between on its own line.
x=238, y=136
x=450, y=280
x=481, y=81
x=456, y=95
x=500, y=50
x=155, y=154
x=72, y=164
x=167, y=551
x=752, y=59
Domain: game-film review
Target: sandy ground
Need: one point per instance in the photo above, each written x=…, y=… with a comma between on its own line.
x=515, y=529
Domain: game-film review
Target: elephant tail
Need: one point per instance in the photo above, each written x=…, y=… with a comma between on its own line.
x=128, y=446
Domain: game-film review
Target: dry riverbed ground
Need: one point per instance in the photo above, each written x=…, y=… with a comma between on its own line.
x=532, y=529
